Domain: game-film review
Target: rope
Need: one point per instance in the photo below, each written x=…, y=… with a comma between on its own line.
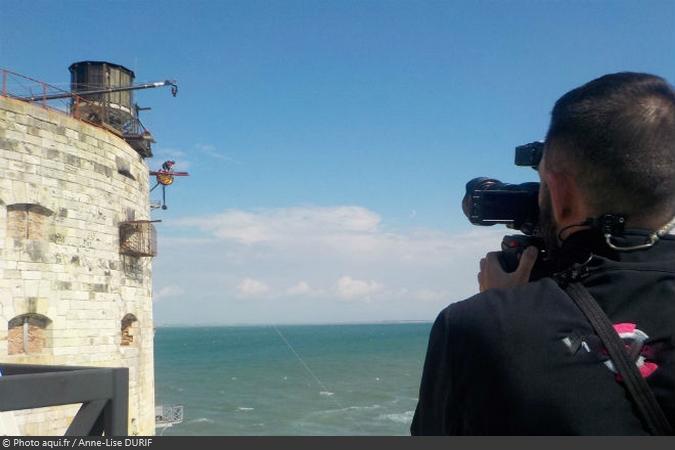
x=311, y=373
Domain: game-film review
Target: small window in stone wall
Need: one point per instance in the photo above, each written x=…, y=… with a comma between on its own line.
x=27, y=334
x=129, y=329
x=27, y=221
x=124, y=167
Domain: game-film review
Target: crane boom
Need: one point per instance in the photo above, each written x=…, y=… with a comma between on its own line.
x=156, y=84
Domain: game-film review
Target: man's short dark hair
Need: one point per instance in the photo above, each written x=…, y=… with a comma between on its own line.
x=616, y=135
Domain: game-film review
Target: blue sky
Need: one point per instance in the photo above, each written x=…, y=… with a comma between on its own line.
x=329, y=141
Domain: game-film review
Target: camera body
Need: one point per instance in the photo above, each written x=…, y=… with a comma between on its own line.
x=513, y=245
x=489, y=201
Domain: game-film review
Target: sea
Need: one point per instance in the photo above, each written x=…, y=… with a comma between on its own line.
x=301, y=380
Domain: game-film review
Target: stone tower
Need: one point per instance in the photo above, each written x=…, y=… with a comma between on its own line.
x=75, y=247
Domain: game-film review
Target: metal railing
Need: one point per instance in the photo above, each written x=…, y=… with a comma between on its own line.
x=95, y=110
x=103, y=393
x=21, y=87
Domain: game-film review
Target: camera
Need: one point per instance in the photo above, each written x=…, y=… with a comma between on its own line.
x=489, y=201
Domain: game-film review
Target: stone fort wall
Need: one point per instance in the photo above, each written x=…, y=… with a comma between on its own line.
x=67, y=295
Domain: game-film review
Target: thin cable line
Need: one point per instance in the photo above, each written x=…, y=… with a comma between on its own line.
x=319, y=382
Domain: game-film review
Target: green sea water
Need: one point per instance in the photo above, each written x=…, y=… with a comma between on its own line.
x=291, y=380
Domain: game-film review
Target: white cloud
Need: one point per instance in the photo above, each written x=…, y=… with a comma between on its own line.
x=284, y=225
x=311, y=259
x=300, y=288
x=167, y=291
x=430, y=295
x=249, y=287
x=349, y=288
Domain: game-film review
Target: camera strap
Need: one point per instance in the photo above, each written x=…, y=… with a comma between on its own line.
x=643, y=397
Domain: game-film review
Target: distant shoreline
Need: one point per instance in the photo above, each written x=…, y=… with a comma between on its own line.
x=259, y=325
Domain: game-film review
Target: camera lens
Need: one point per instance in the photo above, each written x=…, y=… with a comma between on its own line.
x=489, y=201
x=476, y=184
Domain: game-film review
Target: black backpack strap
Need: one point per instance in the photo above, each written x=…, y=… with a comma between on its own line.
x=645, y=401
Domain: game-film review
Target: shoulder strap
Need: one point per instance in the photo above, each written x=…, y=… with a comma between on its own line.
x=637, y=386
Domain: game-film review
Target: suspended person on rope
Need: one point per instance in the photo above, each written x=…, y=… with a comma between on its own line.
x=587, y=349
x=165, y=177
x=167, y=166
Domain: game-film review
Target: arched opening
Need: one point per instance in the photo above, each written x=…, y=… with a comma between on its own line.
x=129, y=329
x=28, y=334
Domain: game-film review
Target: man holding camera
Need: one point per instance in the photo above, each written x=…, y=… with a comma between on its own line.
x=587, y=345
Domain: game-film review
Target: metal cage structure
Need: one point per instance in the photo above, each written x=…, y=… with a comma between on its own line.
x=138, y=238
x=167, y=416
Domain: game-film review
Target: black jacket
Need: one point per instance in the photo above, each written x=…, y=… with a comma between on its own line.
x=525, y=361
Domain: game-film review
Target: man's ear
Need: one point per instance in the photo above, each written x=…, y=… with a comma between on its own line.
x=566, y=200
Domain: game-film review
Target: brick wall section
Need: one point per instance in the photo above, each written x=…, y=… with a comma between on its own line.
x=17, y=223
x=36, y=334
x=70, y=269
x=15, y=338
x=25, y=221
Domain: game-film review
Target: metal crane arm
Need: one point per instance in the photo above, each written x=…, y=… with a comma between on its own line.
x=156, y=84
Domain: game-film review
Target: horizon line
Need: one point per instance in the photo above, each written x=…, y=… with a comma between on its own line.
x=260, y=324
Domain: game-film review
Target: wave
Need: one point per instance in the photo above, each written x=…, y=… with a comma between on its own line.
x=350, y=408
x=201, y=420
x=244, y=408
x=326, y=393
x=404, y=417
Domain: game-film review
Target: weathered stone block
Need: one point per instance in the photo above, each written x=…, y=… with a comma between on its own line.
x=38, y=305
x=72, y=134
x=31, y=275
